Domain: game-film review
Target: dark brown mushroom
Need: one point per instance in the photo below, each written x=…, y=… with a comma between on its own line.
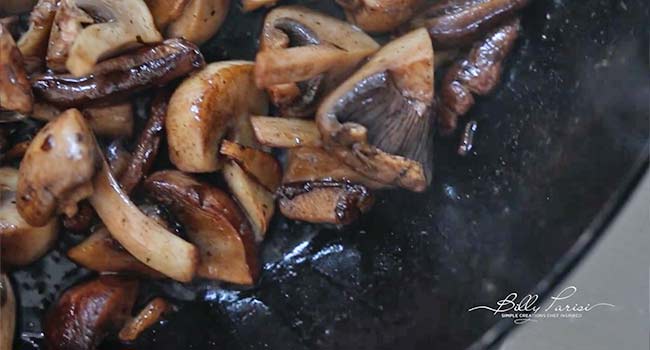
x=121, y=76
x=303, y=54
x=213, y=222
x=15, y=90
x=330, y=202
x=477, y=73
x=7, y=313
x=148, y=144
x=379, y=16
x=86, y=313
x=380, y=121
x=458, y=23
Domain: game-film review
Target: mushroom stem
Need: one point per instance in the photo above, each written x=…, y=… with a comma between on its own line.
x=286, y=132
x=140, y=235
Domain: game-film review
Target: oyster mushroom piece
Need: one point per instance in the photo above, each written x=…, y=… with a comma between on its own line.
x=147, y=317
x=213, y=222
x=199, y=21
x=86, y=313
x=286, y=132
x=33, y=43
x=7, y=313
x=66, y=148
x=204, y=109
x=324, y=202
x=379, y=16
x=118, y=78
x=259, y=164
x=128, y=23
x=22, y=243
x=100, y=252
x=15, y=90
x=303, y=54
x=380, y=120
x=458, y=23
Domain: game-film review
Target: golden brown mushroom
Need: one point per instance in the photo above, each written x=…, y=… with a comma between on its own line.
x=33, y=43
x=147, y=317
x=112, y=121
x=7, y=313
x=379, y=16
x=286, y=132
x=389, y=140
x=199, y=21
x=22, y=243
x=15, y=90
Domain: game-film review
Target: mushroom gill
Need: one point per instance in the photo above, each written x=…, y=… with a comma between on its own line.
x=380, y=121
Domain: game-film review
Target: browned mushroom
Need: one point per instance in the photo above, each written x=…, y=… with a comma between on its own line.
x=286, y=132
x=121, y=76
x=259, y=164
x=303, y=54
x=380, y=120
x=147, y=317
x=111, y=121
x=251, y=5
x=205, y=108
x=82, y=220
x=166, y=11
x=69, y=22
x=22, y=243
x=330, y=202
x=311, y=164
x=33, y=43
x=148, y=144
x=86, y=313
x=477, y=73
x=15, y=90
x=199, y=20
x=458, y=23
x=7, y=313
x=125, y=23
x=379, y=16
x=213, y=222
x=66, y=148
x=100, y=252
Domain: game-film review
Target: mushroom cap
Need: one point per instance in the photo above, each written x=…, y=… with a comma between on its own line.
x=129, y=23
x=205, y=107
x=380, y=120
x=22, y=243
x=65, y=147
x=379, y=16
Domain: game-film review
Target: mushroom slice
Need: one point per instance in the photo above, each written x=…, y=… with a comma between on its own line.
x=166, y=11
x=100, y=252
x=148, y=144
x=127, y=23
x=15, y=90
x=113, y=121
x=7, y=313
x=256, y=201
x=143, y=237
x=286, y=132
x=119, y=77
x=303, y=54
x=458, y=23
x=312, y=164
x=66, y=148
x=213, y=222
x=69, y=22
x=33, y=43
x=327, y=202
x=380, y=120
x=22, y=243
x=251, y=5
x=147, y=317
x=477, y=73
x=379, y=16
x=261, y=165
x=199, y=21
x=204, y=108
x=86, y=313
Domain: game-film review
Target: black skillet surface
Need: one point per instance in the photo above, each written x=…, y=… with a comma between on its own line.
x=560, y=143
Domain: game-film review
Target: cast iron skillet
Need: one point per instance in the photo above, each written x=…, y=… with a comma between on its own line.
x=560, y=145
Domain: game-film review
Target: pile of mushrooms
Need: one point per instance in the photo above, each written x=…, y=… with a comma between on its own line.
x=318, y=125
